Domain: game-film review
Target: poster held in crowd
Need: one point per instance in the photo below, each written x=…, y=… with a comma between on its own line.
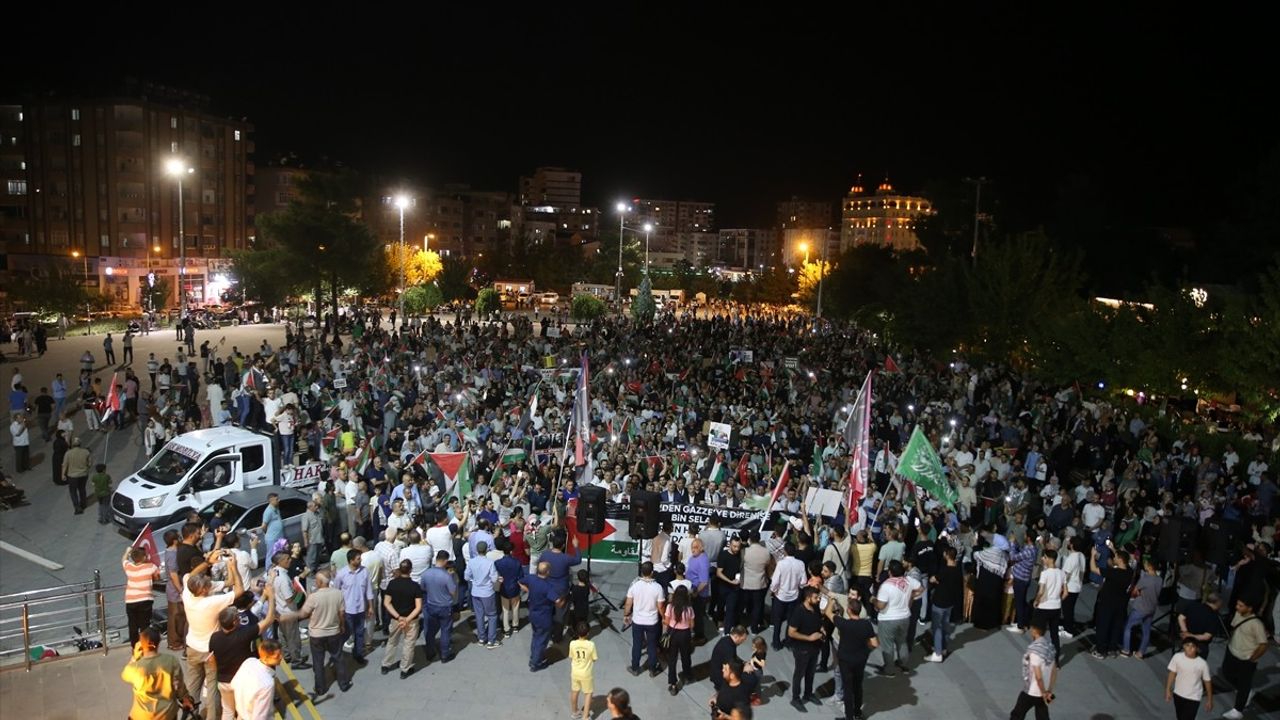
x=824, y=502
x=615, y=543
x=718, y=437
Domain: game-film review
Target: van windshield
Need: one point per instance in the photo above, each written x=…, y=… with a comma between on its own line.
x=169, y=466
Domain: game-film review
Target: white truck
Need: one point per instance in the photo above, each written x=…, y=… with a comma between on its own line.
x=196, y=468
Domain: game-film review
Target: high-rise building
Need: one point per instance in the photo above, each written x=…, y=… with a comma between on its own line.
x=797, y=244
x=751, y=249
x=686, y=226
x=86, y=175
x=553, y=186
x=801, y=214
x=276, y=184
x=886, y=218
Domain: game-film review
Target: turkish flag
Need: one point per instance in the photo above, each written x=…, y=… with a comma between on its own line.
x=890, y=365
x=147, y=541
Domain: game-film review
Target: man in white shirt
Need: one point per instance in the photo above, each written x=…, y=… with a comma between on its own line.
x=202, y=606
x=893, y=601
x=1093, y=514
x=1048, y=603
x=419, y=553
x=788, y=577
x=1255, y=470
x=439, y=538
x=254, y=684
x=1073, y=567
x=643, y=609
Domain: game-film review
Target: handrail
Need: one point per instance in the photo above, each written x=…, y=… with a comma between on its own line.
x=48, y=617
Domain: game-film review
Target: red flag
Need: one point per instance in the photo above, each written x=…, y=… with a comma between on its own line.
x=778, y=489
x=743, y=478
x=890, y=365
x=112, y=401
x=147, y=541
x=571, y=527
x=857, y=435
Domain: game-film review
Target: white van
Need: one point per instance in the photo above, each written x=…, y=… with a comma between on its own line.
x=197, y=468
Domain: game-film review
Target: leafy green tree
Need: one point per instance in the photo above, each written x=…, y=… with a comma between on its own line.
x=422, y=298
x=53, y=294
x=266, y=275
x=453, y=279
x=158, y=296
x=643, y=307
x=867, y=281
x=487, y=302
x=808, y=277
x=587, y=307
x=1250, y=352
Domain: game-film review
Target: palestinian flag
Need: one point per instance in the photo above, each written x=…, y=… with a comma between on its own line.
x=777, y=491
x=456, y=467
x=719, y=471
x=633, y=432
x=513, y=456
x=299, y=592
x=816, y=471
x=253, y=379
x=332, y=439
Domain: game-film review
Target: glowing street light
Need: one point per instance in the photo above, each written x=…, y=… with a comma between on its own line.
x=648, y=228
x=804, y=248
x=623, y=208
x=88, y=315
x=402, y=202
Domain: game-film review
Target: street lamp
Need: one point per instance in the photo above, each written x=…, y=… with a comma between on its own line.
x=426, y=242
x=402, y=202
x=87, y=314
x=648, y=228
x=150, y=300
x=804, y=248
x=177, y=168
x=622, y=216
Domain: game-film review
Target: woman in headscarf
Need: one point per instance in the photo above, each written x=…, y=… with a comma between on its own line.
x=992, y=562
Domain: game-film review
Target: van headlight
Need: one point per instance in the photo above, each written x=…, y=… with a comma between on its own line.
x=152, y=502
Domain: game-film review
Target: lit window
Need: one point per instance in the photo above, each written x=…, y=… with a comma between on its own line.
x=75, y=140
x=173, y=147
x=20, y=116
x=22, y=164
x=237, y=136
x=75, y=113
x=17, y=187
x=173, y=121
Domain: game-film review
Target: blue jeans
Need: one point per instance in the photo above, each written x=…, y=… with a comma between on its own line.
x=541, y=636
x=287, y=444
x=940, y=621
x=645, y=636
x=779, y=612
x=439, y=621
x=1022, y=608
x=355, y=626
x=486, y=610
x=1136, y=618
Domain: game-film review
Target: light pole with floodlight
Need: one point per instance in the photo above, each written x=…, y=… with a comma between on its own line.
x=88, y=315
x=177, y=168
x=402, y=202
x=622, y=216
x=648, y=228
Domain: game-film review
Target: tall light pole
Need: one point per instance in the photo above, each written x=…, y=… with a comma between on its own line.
x=804, y=248
x=402, y=202
x=822, y=271
x=178, y=168
x=648, y=228
x=150, y=300
x=978, y=182
x=87, y=313
x=622, y=216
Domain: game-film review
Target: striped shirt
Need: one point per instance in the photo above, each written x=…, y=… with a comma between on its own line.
x=138, y=587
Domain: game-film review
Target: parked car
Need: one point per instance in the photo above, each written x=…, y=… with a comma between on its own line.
x=242, y=512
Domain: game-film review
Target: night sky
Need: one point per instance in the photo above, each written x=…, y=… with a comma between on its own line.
x=734, y=103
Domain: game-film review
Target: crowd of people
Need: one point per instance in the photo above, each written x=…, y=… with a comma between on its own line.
x=1055, y=492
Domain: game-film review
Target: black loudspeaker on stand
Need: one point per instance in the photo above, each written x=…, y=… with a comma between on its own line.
x=591, y=520
x=643, y=519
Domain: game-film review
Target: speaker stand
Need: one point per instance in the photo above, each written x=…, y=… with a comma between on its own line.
x=596, y=595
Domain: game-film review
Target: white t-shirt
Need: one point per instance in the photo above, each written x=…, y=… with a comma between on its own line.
x=1190, y=675
x=645, y=596
x=1073, y=567
x=422, y=557
x=254, y=687
x=895, y=593
x=439, y=538
x=202, y=615
x=1035, y=661
x=1051, y=582
x=1093, y=514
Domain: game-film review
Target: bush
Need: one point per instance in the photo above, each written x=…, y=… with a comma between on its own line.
x=587, y=307
x=422, y=298
x=487, y=302
x=643, y=307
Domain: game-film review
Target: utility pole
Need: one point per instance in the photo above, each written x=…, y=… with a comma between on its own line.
x=978, y=182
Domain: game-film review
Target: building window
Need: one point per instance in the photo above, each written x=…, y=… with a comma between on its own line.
x=20, y=116
x=75, y=140
x=173, y=122
x=104, y=240
x=173, y=147
x=237, y=136
x=75, y=113
x=17, y=187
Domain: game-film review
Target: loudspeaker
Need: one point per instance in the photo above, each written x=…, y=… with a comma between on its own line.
x=1177, y=540
x=1224, y=541
x=591, y=509
x=642, y=521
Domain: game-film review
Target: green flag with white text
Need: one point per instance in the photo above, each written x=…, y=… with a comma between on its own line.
x=920, y=464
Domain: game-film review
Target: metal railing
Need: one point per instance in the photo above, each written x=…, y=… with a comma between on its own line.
x=48, y=619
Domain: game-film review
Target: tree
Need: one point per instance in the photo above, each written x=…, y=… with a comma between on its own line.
x=158, y=295
x=587, y=307
x=868, y=281
x=422, y=298
x=453, y=279
x=266, y=275
x=643, y=307
x=419, y=266
x=54, y=294
x=809, y=276
x=487, y=302
x=321, y=240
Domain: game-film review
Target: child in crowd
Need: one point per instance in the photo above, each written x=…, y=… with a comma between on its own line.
x=102, y=491
x=580, y=595
x=582, y=660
